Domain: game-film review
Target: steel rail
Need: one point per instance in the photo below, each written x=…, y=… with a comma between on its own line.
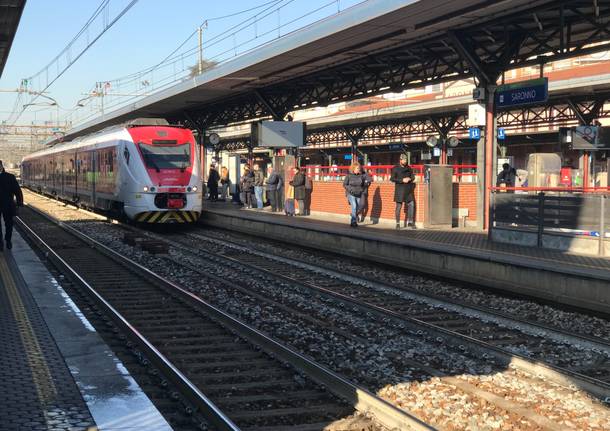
x=554, y=373
x=361, y=399
x=188, y=389
x=471, y=310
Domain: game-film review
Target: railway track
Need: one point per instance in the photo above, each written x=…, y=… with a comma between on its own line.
x=231, y=373
x=526, y=344
x=207, y=256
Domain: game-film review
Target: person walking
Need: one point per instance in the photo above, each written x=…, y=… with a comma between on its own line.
x=404, y=191
x=9, y=192
x=259, y=182
x=298, y=182
x=354, y=187
x=213, y=179
x=225, y=183
x=246, y=185
x=274, y=184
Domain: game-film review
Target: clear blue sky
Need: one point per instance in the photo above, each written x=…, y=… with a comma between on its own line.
x=144, y=36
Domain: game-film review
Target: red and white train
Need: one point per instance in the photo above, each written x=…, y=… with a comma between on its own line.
x=145, y=169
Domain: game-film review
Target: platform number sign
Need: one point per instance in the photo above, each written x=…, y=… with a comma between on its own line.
x=474, y=133
x=501, y=134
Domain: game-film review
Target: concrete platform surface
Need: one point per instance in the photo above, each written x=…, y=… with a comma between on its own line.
x=462, y=254
x=58, y=362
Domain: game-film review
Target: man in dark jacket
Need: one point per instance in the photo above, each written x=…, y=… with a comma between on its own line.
x=274, y=184
x=404, y=191
x=213, y=178
x=246, y=186
x=354, y=187
x=9, y=191
x=507, y=176
x=298, y=182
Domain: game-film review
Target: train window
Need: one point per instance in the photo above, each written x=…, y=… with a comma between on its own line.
x=166, y=157
x=126, y=155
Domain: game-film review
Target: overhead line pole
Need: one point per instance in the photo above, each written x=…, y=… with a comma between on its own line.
x=200, y=36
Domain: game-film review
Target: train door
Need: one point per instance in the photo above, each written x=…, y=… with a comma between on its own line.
x=94, y=176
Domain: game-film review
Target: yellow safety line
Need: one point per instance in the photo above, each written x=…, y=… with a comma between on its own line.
x=41, y=375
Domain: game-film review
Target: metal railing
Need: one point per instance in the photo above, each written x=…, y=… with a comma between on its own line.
x=571, y=211
x=382, y=173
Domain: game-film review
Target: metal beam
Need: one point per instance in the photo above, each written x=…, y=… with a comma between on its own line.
x=277, y=115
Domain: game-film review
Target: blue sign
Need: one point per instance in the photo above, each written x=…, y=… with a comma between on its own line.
x=522, y=93
x=501, y=134
x=347, y=157
x=474, y=133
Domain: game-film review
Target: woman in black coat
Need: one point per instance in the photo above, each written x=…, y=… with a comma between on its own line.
x=298, y=182
x=354, y=185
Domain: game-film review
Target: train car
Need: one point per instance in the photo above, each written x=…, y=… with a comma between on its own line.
x=146, y=170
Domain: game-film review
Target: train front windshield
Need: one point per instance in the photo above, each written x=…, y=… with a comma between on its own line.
x=166, y=156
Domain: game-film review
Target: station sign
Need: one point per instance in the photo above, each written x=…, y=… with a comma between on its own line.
x=347, y=157
x=522, y=93
x=474, y=133
x=501, y=134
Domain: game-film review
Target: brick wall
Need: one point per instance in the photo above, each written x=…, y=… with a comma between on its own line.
x=330, y=197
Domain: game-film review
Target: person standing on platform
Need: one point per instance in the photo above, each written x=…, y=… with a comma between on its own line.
x=298, y=182
x=364, y=200
x=354, y=187
x=246, y=185
x=259, y=182
x=9, y=192
x=274, y=184
x=213, y=179
x=404, y=191
x=225, y=183
x=507, y=177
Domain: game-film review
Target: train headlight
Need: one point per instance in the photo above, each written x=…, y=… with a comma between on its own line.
x=188, y=189
x=152, y=189
x=145, y=188
x=195, y=188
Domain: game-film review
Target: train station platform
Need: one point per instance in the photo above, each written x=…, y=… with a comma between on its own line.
x=459, y=254
x=57, y=373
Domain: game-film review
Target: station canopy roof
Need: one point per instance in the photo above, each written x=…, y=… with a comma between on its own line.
x=10, y=15
x=377, y=47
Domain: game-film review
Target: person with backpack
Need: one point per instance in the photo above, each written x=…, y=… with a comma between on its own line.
x=354, y=184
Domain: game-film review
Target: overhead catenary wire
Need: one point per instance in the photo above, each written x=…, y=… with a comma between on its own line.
x=177, y=65
x=169, y=57
x=107, y=26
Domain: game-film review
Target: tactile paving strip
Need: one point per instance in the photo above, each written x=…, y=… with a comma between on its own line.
x=37, y=391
